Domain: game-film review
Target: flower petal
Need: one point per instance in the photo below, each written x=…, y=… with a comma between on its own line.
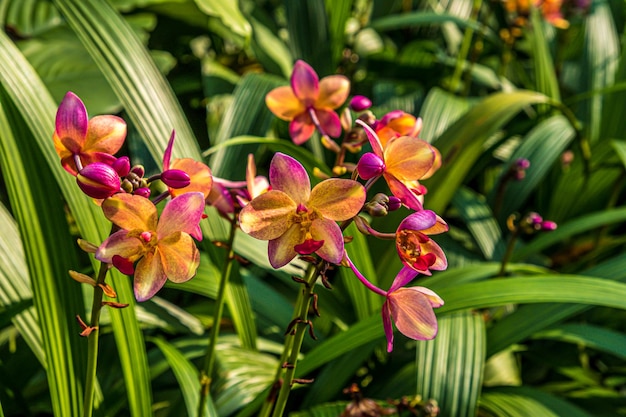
x=281, y=250
x=333, y=92
x=182, y=214
x=329, y=122
x=405, y=276
x=220, y=198
x=289, y=176
x=441, y=263
x=433, y=298
x=149, y=277
x=337, y=199
x=119, y=243
x=419, y=221
x=106, y=134
x=71, y=122
x=386, y=313
x=283, y=103
x=268, y=216
x=305, y=82
x=199, y=173
x=409, y=192
x=408, y=158
x=167, y=155
x=413, y=314
x=179, y=256
x=130, y=212
x=301, y=128
x=329, y=232
x=374, y=140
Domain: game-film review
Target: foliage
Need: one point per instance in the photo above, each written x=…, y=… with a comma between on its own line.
x=533, y=320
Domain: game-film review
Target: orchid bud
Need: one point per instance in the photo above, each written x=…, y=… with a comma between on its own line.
x=346, y=119
x=360, y=103
x=370, y=165
x=175, y=178
x=122, y=166
x=548, y=225
x=143, y=191
x=98, y=180
x=138, y=170
x=394, y=203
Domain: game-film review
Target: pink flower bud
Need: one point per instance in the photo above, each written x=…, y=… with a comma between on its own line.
x=98, y=180
x=143, y=191
x=175, y=178
x=548, y=225
x=522, y=163
x=122, y=166
x=138, y=170
x=360, y=103
x=370, y=166
x=394, y=203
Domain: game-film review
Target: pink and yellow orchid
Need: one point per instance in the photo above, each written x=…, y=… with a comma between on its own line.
x=410, y=308
x=88, y=141
x=417, y=251
x=298, y=220
x=309, y=102
x=163, y=247
x=200, y=175
x=403, y=162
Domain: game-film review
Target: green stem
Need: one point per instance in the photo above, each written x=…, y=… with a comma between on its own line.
x=293, y=344
x=209, y=358
x=509, y=251
x=92, y=347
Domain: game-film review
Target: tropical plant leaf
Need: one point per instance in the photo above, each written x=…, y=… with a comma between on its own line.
x=229, y=13
x=595, y=337
x=525, y=401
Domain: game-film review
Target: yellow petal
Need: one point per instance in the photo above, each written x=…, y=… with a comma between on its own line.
x=337, y=199
x=179, y=256
x=283, y=103
x=130, y=212
x=268, y=216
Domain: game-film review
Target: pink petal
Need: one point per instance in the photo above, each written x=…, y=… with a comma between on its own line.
x=413, y=314
x=434, y=300
x=71, y=122
x=329, y=122
x=377, y=146
x=119, y=243
x=405, y=276
x=409, y=192
x=149, y=277
x=167, y=155
x=106, y=134
x=130, y=212
x=220, y=198
x=386, y=313
x=268, y=216
x=301, y=128
x=283, y=103
x=333, y=92
x=338, y=199
x=179, y=256
x=289, y=176
x=420, y=221
x=431, y=247
x=182, y=214
x=407, y=158
x=281, y=250
x=329, y=232
x=305, y=83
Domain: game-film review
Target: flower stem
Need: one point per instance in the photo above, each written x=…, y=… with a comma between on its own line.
x=92, y=347
x=509, y=251
x=293, y=342
x=209, y=358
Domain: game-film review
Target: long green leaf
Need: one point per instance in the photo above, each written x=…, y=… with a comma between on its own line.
x=595, y=337
x=545, y=77
x=462, y=143
x=525, y=401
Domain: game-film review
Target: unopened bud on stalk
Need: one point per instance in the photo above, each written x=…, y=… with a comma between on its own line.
x=122, y=166
x=143, y=191
x=98, y=180
x=360, y=103
x=175, y=178
x=370, y=165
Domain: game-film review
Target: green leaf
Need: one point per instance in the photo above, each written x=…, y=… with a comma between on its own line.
x=620, y=150
x=439, y=111
x=339, y=12
x=462, y=143
x=240, y=308
x=595, y=337
x=545, y=77
x=271, y=50
x=525, y=401
x=229, y=13
x=187, y=376
x=29, y=17
x=450, y=367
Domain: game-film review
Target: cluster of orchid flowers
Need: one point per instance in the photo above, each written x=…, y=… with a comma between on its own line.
x=283, y=209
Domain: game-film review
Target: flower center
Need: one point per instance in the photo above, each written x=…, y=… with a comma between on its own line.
x=409, y=244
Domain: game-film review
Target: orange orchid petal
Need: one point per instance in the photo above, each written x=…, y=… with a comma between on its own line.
x=105, y=134
x=289, y=176
x=199, y=173
x=149, y=277
x=268, y=216
x=330, y=233
x=182, y=214
x=408, y=158
x=301, y=128
x=283, y=103
x=337, y=199
x=413, y=314
x=130, y=212
x=333, y=92
x=410, y=193
x=329, y=122
x=119, y=243
x=179, y=256
x=281, y=250
x=71, y=123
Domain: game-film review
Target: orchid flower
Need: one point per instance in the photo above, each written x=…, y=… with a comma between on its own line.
x=76, y=138
x=309, y=102
x=200, y=178
x=410, y=308
x=416, y=249
x=163, y=246
x=402, y=161
x=298, y=220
